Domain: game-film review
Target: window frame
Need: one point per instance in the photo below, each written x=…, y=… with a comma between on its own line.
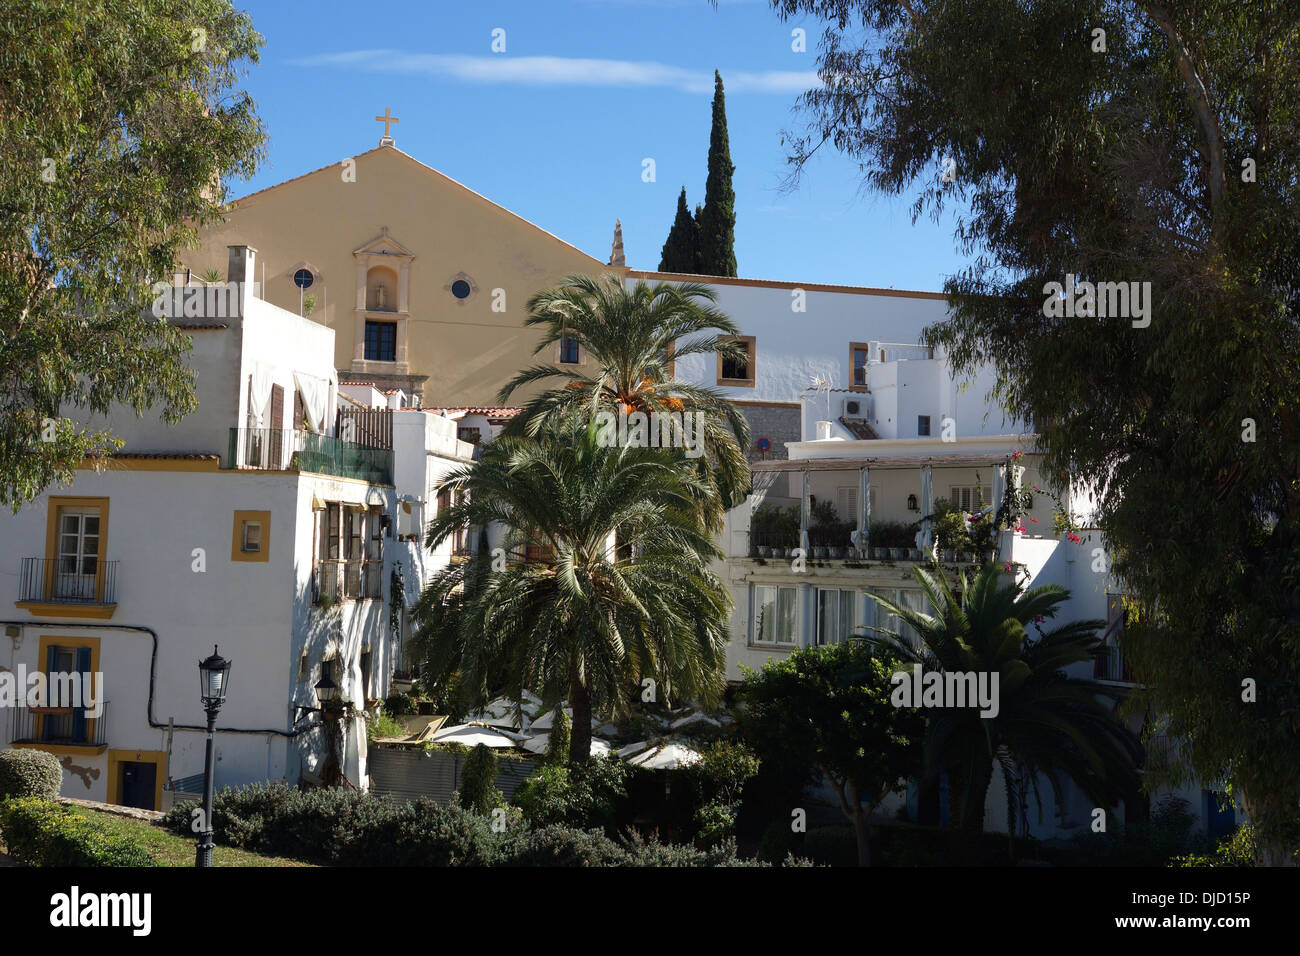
x=382, y=326
x=751, y=345
x=865, y=349
x=756, y=622
x=242, y=518
x=845, y=633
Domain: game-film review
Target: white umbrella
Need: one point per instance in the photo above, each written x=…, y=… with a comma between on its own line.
x=666, y=757
x=538, y=745
x=547, y=719
x=693, y=719
x=471, y=735
x=499, y=713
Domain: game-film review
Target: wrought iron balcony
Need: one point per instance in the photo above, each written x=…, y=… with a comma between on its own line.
x=337, y=580
x=61, y=726
x=68, y=580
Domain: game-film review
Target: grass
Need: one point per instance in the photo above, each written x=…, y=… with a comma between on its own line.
x=168, y=849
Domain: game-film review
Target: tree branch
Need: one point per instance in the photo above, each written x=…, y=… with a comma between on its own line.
x=1207, y=119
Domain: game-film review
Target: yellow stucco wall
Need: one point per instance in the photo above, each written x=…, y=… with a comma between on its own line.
x=467, y=350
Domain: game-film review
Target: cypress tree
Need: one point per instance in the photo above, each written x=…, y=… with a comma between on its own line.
x=681, y=249
x=717, y=221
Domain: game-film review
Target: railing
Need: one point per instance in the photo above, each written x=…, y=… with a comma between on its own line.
x=1110, y=665
x=282, y=449
x=68, y=580
x=68, y=726
x=348, y=580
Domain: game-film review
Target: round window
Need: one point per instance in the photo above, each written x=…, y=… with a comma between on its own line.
x=460, y=289
x=303, y=278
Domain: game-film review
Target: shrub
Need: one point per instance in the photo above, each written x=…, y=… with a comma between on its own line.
x=40, y=833
x=835, y=845
x=565, y=846
x=643, y=851
x=381, y=725
x=30, y=773
x=777, y=841
x=399, y=705
x=724, y=767
x=478, y=790
x=581, y=795
x=716, y=822
x=1239, y=849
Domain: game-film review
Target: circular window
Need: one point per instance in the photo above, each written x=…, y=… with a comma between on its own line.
x=460, y=289
x=303, y=278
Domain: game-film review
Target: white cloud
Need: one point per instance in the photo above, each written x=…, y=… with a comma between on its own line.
x=560, y=71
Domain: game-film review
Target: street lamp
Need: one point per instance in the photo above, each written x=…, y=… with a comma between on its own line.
x=214, y=676
x=325, y=689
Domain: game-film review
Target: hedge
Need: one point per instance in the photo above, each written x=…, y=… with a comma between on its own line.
x=40, y=833
x=342, y=827
x=30, y=773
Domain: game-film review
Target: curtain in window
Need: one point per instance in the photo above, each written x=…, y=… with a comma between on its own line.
x=315, y=394
x=259, y=394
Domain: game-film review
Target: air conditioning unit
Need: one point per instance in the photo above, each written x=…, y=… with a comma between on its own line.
x=856, y=407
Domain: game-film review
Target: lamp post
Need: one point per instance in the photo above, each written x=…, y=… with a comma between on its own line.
x=213, y=673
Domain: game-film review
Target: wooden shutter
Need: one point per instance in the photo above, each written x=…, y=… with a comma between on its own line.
x=277, y=407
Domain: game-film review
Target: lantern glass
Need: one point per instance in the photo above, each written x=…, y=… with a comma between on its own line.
x=214, y=676
x=326, y=689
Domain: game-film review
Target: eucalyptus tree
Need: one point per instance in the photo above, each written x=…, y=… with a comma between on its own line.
x=1151, y=150
x=118, y=121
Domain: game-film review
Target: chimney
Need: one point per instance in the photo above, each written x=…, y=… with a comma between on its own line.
x=823, y=431
x=243, y=264
x=241, y=274
x=616, y=256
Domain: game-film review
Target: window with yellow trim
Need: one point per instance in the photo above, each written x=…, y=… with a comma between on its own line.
x=251, y=536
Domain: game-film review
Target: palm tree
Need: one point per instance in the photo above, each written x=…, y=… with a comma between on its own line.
x=1047, y=723
x=632, y=336
x=587, y=622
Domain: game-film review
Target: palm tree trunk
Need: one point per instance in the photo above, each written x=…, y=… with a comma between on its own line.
x=580, y=734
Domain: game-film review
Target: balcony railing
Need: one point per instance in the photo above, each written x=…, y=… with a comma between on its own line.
x=348, y=580
x=68, y=580
x=67, y=726
x=1110, y=665
x=282, y=449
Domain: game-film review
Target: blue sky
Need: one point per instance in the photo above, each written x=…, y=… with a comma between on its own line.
x=556, y=127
